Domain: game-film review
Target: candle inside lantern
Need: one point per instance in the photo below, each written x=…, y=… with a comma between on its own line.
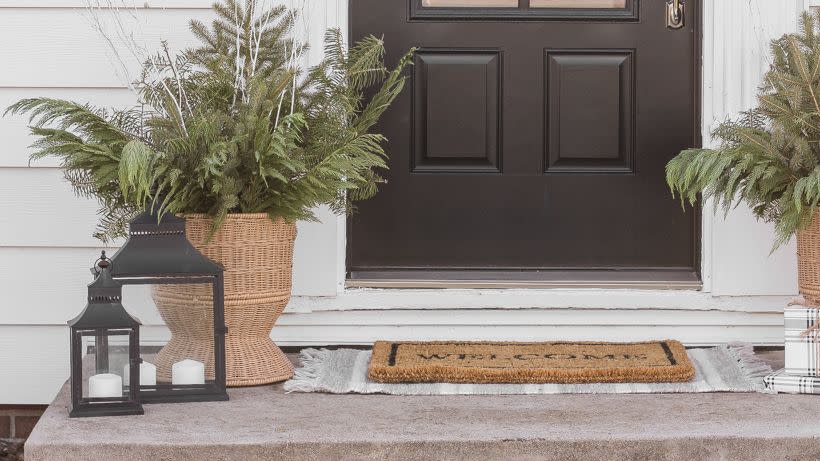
x=188, y=372
x=148, y=374
x=105, y=385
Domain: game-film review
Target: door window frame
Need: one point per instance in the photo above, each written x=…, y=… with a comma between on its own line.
x=419, y=12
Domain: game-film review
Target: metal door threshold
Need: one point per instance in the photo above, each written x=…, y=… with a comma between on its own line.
x=600, y=279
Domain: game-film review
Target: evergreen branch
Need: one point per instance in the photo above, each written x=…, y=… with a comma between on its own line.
x=231, y=125
x=769, y=157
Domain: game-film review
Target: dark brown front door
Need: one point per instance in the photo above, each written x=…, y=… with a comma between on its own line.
x=532, y=136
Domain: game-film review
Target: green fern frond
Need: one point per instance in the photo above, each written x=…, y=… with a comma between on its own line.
x=770, y=156
x=215, y=134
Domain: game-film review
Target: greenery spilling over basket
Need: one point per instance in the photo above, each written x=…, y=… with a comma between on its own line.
x=770, y=157
x=234, y=125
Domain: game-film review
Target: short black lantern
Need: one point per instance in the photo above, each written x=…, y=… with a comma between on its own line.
x=188, y=291
x=104, y=382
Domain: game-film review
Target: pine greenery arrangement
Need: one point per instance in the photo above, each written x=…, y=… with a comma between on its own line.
x=233, y=125
x=770, y=157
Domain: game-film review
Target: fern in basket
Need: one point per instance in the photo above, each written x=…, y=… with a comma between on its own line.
x=770, y=157
x=233, y=125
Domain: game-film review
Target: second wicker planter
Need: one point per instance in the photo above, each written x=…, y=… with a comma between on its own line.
x=808, y=261
x=257, y=255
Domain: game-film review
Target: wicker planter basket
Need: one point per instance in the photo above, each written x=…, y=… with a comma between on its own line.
x=808, y=261
x=257, y=254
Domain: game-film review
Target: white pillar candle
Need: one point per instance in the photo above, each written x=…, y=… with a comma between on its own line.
x=188, y=372
x=148, y=374
x=105, y=385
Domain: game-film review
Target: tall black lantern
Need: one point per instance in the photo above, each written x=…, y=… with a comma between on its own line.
x=190, y=366
x=104, y=382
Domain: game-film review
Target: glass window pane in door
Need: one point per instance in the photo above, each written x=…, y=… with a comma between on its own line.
x=577, y=3
x=469, y=3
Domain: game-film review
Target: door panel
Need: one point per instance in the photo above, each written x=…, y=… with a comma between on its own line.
x=589, y=101
x=456, y=110
x=534, y=145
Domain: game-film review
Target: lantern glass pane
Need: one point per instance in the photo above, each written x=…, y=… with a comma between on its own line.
x=177, y=337
x=104, y=364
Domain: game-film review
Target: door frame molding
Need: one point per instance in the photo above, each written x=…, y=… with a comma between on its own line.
x=631, y=13
x=697, y=135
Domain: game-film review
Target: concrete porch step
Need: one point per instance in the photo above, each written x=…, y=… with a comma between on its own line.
x=264, y=423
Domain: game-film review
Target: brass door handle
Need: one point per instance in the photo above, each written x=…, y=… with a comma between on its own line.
x=674, y=14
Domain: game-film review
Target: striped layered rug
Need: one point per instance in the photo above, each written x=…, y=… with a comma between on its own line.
x=726, y=368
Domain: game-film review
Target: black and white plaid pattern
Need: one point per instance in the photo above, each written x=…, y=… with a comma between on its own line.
x=780, y=381
x=802, y=350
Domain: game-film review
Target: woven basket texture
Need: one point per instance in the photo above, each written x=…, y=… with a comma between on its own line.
x=808, y=261
x=257, y=254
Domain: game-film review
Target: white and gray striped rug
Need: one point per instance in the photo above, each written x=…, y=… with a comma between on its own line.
x=729, y=368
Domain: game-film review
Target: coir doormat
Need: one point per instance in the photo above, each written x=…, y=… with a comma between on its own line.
x=549, y=362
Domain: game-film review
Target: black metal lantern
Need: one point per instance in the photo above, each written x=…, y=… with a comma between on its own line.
x=190, y=367
x=112, y=338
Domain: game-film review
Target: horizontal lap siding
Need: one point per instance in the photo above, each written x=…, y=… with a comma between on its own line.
x=46, y=48
x=50, y=49
x=33, y=362
x=41, y=210
x=46, y=246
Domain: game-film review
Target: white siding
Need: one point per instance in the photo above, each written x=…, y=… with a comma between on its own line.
x=59, y=49
x=33, y=362
x=45, y=244
x=45, y=211
x=50, y=49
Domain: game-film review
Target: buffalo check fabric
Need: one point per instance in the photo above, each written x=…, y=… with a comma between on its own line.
x=780, y=381
x=802, y=340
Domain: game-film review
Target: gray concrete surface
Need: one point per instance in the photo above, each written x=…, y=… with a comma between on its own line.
x=264, y=423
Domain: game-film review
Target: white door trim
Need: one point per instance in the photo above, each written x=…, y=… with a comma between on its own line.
x=732, y=62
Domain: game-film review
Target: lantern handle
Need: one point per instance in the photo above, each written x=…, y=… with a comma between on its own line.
x=101, y=263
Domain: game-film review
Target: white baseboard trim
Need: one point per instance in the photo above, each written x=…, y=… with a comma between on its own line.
x=592, y=298
x=693, y=328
